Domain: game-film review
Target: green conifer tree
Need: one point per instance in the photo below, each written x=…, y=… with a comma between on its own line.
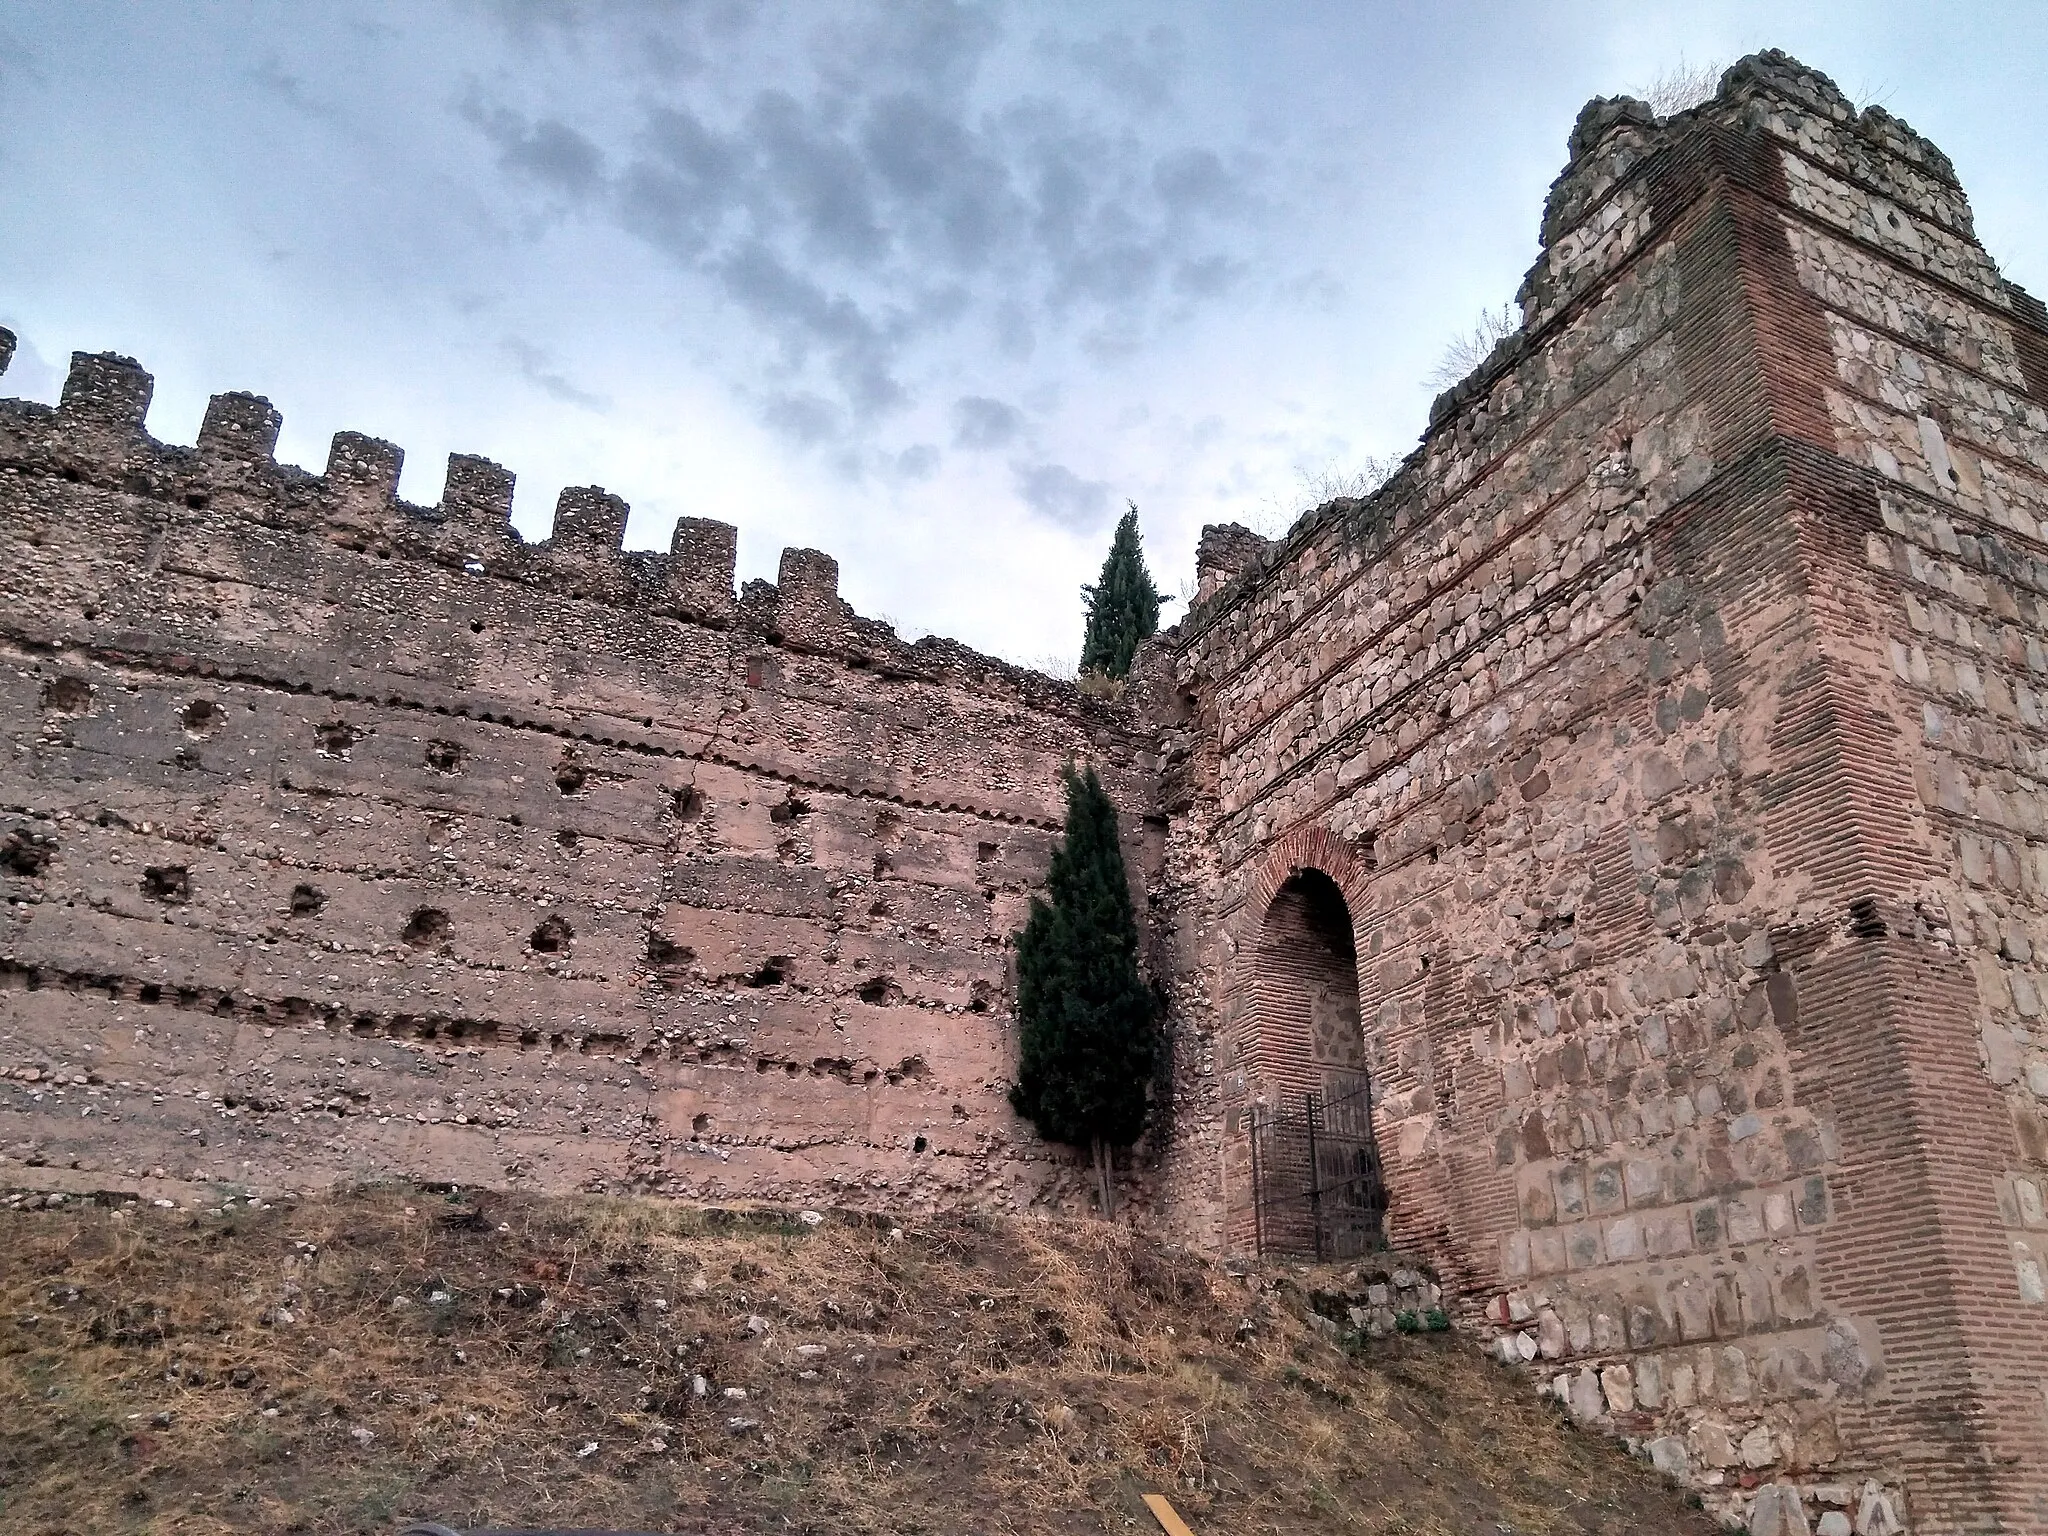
x=1084, y=1011
x=1123, y=605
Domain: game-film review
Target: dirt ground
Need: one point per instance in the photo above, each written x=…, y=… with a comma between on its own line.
x=347, y=1363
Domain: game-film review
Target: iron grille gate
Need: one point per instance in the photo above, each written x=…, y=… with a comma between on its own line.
x=1317, y=1186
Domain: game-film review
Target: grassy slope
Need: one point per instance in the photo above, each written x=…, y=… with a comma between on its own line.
x=979, y=1376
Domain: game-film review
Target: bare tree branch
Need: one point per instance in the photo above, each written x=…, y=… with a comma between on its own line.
x=1468, y=351
x=1681, y=87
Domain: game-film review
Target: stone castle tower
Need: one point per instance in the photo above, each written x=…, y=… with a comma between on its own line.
x=1626, y=826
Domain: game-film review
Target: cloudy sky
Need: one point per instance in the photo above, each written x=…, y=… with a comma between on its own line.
x=933, y=286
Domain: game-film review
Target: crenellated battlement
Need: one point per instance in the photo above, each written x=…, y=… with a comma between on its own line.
x=97, y=436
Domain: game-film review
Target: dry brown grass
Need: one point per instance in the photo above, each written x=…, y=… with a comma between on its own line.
x=984, y=1376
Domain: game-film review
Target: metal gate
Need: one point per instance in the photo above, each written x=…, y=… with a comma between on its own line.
x=1317, y=1189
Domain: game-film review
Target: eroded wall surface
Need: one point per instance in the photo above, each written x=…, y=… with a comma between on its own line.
x=345, y=839
x=1671, y=725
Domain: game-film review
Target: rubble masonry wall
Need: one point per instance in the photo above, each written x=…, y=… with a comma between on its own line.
x=344, y=839
x=1672, y=723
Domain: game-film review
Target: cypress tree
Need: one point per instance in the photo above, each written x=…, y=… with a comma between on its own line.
x=1084, y=1011
x=1123, y=605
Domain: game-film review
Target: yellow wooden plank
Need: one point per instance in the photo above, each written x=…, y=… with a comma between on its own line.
x=1169, y=1521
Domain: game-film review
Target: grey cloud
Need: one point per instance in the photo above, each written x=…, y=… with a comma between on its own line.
x=18, y=61
x=648, y=37
x=1057, y=493
x=1142, y=70
x=1015, y=333
x=549, y=152
x=558, y=155
x=1193, y=179
x=288, y=88
x=937, y=43
x=1062, y=164
x=918, y=462
x=942, y=178
x=806, y=420
x=1114, y=275
x=679, y=195
x=536, y=368
x=871, y=200
x=979, y=422
x=807, y=314
x=821, y=179
x=1207, y=277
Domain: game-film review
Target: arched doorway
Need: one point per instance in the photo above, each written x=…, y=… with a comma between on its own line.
x=1315, y=1170
x=1305, y=991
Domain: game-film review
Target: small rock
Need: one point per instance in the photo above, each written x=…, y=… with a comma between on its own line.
x=1778, y=1511
x=1758, y=1448
x=1617, y=1382
x=737, y=1394
x=809, y=1218
x=1874, y=1513
x=810, y=1351
x=1587, y=1401
x=741, y=1426
x=657, y=1444
x=1834, y=1523
x=362, y=1436
x=757, y=1324
x=699, y=1387
x=1668, y=1456
x=587, y=1448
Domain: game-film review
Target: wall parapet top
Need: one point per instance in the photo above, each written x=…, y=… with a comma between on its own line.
x=1614, y=145
x=96, y=436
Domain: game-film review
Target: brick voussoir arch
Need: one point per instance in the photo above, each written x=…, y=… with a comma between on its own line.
x=1303, y=848
x=1312, y=846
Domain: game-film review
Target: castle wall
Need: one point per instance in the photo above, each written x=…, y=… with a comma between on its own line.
x=1673, y=726
x=1668, y=722
x=343, y=839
